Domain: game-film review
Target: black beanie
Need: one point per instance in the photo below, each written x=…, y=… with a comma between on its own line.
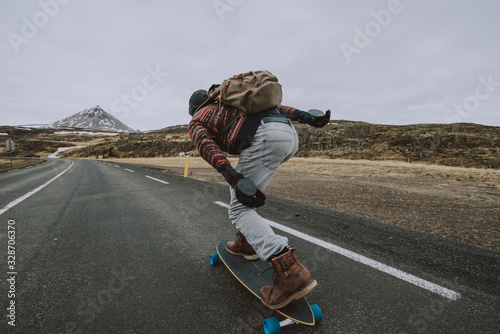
x=196, y=100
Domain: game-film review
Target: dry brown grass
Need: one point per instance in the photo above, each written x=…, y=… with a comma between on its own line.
x=16, y=163
x=332, y=166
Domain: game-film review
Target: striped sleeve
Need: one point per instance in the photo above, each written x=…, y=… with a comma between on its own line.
x=208, y=148
x=289, y=112
x=202, y=129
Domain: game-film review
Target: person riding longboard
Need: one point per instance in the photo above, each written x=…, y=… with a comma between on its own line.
x=263, y=140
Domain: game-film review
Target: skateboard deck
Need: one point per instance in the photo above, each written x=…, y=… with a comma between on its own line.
x=247, y=273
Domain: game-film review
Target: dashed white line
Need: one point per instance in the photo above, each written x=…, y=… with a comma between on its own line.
x=34, y=191
x=129, y=170
x=158, y=180
x=116, y=166
x=432, y=287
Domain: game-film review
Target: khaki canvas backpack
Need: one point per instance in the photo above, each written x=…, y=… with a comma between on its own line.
x=250, y=92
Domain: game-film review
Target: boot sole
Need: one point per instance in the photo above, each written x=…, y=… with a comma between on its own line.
x=247, y=257
x=297, y=295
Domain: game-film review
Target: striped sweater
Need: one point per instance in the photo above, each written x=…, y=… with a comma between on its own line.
x=206, y=124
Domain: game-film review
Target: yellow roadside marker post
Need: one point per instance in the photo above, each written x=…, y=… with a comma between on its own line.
x=186, y=166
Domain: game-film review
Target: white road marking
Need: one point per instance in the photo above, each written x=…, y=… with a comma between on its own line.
x=129, y=170
x=117, y=166
x=34, y=191
x=432, y=287
x=158, y=180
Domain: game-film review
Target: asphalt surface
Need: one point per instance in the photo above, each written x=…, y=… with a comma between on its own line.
x=108, y=248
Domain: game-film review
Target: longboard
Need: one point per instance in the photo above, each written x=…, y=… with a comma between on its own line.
x=247, y=273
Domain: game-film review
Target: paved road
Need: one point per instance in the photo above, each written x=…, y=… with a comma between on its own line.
x=114, y=248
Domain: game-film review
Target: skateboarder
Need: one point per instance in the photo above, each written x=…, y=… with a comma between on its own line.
x=263, y=141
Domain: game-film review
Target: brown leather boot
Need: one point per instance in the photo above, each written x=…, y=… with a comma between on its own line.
x=291, y=281
x=242, y=247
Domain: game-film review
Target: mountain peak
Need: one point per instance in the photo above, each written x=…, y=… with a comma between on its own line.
x=94, y=118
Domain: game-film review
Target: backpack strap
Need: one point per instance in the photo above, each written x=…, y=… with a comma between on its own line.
x=229, y=124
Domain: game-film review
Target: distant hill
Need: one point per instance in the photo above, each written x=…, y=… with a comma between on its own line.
x=93, y=119
x=460, y=144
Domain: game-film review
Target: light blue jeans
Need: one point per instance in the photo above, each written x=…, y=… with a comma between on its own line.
x=273, y=144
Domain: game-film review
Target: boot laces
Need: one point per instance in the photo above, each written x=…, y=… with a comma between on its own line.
x=275, y=276
x=239, y=240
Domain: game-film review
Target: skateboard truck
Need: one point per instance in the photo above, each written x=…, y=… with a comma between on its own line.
x=273, y=325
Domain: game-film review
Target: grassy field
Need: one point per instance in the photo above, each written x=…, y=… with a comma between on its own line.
x=16, y=163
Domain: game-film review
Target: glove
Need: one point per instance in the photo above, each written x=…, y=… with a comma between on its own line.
x=316, y=121
x=246, y=191
x=232, y=177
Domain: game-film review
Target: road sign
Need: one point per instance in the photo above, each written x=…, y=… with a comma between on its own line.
x=10, y=145
x=10, y=148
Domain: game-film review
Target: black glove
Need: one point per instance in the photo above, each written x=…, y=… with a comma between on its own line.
x=232, y=177
x=246, y=191
x=316, y=121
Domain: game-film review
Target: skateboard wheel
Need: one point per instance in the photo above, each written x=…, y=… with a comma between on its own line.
x=214, y=259
x=272, y=326
x=318, y=315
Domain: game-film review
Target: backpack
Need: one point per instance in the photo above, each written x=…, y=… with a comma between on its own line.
x=250, y=92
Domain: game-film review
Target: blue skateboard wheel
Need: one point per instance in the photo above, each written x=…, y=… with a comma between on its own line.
x=271, y=326
x=318, y=315
x=214, y=259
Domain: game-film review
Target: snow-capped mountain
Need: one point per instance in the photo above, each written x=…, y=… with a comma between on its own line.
x=95, y=119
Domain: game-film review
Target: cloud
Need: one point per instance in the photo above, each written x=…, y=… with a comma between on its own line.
x=414, y=68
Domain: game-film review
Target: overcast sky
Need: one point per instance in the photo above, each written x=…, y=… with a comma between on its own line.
x=386, y=62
